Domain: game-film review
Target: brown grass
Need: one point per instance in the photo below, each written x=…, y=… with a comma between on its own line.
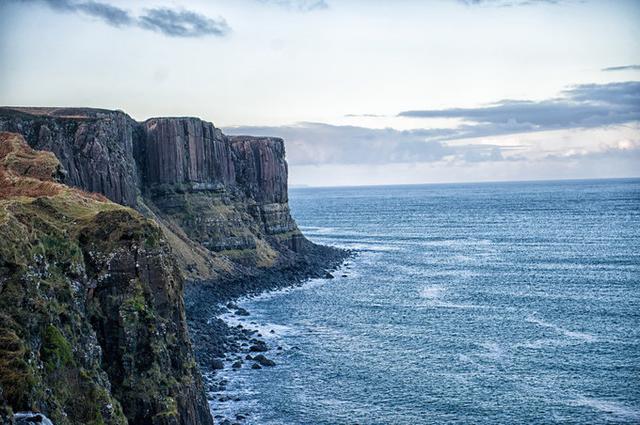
x=29, y=173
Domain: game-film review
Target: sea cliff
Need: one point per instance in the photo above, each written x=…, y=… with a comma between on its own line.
x=93, y=325
x=101, y=235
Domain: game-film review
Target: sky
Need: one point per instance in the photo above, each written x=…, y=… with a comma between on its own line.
x=363, y=91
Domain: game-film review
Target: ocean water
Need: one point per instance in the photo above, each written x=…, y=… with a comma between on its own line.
x=469, y=303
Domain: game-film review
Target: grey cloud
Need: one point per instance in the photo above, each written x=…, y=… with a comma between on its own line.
x=319, y=143
x=299, y=5
x=582, y=106
x=622, y=68
x=170, y=22
x=587, y=105
x=110, y=14
x=182, y=23
x=631, y=152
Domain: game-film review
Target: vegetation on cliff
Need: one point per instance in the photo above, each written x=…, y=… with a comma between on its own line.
x=92, y=322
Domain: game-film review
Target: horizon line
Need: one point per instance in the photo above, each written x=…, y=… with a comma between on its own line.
x=307, y=186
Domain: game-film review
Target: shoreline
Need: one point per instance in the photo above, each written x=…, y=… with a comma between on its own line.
x=220, y=345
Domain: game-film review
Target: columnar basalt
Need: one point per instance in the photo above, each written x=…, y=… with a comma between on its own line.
x=219, y=196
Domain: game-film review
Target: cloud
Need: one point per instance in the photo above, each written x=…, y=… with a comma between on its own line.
x=580, y=107
x=320, y=143
x=622, y=68
x=182, y=23
x=170, y=22
x=365, y=116
x=624, y=149
x=299, y=5
x=586, y=105
x=509, y=3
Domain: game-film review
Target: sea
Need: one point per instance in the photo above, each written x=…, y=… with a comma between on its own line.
x=487, y=303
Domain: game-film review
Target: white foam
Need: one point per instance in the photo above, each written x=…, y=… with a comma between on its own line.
x=606, y=406
x=432, y=292
x=318, y=230
x=583, y=336
x=494, y=350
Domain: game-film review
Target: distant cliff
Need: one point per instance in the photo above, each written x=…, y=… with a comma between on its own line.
x=92, y=319
x=221, y=201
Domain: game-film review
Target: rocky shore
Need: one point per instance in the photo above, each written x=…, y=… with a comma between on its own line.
x=221, y=345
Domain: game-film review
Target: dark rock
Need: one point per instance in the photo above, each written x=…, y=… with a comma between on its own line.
x=264, y=361
x=237, y=365
x=248, y=357
x=256, y=366
x=241, y=312
x=328, y=276
x=259, y=346
x=217, y=364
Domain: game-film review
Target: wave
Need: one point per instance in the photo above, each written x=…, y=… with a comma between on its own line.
x=435, y=294
x=613, y=408
x=583, y=336
x=432, y=292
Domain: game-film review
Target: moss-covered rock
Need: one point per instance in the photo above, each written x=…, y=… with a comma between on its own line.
x=92, y=325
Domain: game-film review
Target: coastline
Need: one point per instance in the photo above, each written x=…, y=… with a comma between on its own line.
x=221, y=345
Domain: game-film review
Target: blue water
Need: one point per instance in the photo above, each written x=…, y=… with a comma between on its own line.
x=467, y=303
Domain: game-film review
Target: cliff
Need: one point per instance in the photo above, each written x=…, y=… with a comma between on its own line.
x=221, y=201
x=92, y=327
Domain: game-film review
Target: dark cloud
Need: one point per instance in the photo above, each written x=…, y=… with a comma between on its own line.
x=587, y=105
x=622, y=68
x=182, y=23
x=319, y=143
x=170, y=22
x=299, y=5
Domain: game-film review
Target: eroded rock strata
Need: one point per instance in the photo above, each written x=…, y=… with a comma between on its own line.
x=93, y=325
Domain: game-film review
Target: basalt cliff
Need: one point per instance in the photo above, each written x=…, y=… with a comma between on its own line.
x=103, y=223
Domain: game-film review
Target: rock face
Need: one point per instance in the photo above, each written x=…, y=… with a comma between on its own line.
x=92, y=319
x=92, y=316
x=94, y=146
x=221, y=201
x=186, y=151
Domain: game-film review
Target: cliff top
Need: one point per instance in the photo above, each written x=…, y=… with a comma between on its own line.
x=60, y=112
